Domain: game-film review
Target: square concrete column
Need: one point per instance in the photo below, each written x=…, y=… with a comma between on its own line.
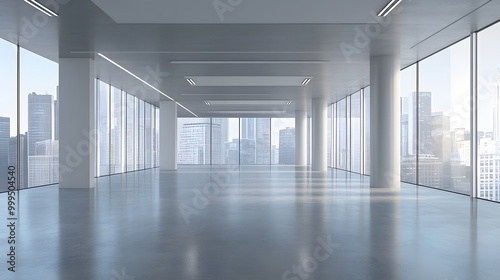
x=319, y=135
x=168, y=135
x=385, y=122
x=76, y=123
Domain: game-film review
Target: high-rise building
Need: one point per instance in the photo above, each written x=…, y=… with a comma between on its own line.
x=39, y=119
x=489, y=169
x=424, y=122
x=22, y=172
x=262, y=141
x=4, y=151
x=194, y=142
x=287, y=146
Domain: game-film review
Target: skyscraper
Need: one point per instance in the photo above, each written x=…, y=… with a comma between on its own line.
x=287, y=146
x=4, y=151
x=262, y=141
x=424, y=122
x=22, y=172
x=39, y=119
x=194, y=142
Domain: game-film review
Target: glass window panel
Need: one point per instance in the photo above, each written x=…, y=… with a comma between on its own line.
x=141, y=134
x=193, y=140
x=343, y=161
x=366, y=107
x=39, y=82
x=488, y=113
x=444, y=120
x=329, y=136
x=255, y=141
x=130, y=132
x=356, y=132
x=409, y=125
x=283, y=140
x=8, y=119
x=116, y=147
x=157, y=137
x=148, y=134
x=103, y=128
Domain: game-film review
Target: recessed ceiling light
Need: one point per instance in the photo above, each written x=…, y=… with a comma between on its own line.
x=267, y=112
x=289, y=102
x=190, y=81
x=389, y=7
x=247, y=81
x=144, y=82
x=248, y=61
x=306, y=81
x=246, y=102
x=41, y=8
x=207, y=102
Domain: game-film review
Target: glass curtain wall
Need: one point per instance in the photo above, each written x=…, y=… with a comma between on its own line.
x=444, y=119
x=39, y=117
x=488, y=113
x=9, y=137
x=409, y=124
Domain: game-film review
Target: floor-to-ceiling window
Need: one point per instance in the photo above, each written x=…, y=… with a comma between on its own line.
x=8, y=120
x=444, y=119
x=131, y=120
x=39, y=117
x=355, y=117
x=116, y=147
x=102, y=115
x=488, y=114
x=366, y=125
x=409, y=99
x=282, y=141
x=193, y=140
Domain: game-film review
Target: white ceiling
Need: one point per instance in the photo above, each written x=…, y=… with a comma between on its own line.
x=164, y=42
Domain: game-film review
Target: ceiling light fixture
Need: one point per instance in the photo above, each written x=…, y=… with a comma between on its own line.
x=190, y=81
x=248, y=61
x=41, y=8
x=289, y=102
x=306, y=81
x=207, y=102
x=144, y=82
x=389, y=7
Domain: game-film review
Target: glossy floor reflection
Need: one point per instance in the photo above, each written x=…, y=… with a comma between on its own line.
x=264, y=222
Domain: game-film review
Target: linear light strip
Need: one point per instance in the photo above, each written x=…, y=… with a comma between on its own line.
x=41, y=8
x=389, y=7
x=248, y=61
x=144, y=82
x=186, y=109
x=306, y=81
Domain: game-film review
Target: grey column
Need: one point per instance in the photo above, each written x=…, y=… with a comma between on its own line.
x=319, y=134
x=168, y=135
x=300, y=138
x=76, y=123
x=385, y=122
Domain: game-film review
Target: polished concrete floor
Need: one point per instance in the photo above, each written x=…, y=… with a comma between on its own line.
x=240, y=223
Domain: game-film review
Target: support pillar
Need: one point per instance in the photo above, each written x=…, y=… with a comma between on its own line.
x=76, y=123
x=300, y=138
x=385, y=122
x=168, y=135
x=319, y=134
